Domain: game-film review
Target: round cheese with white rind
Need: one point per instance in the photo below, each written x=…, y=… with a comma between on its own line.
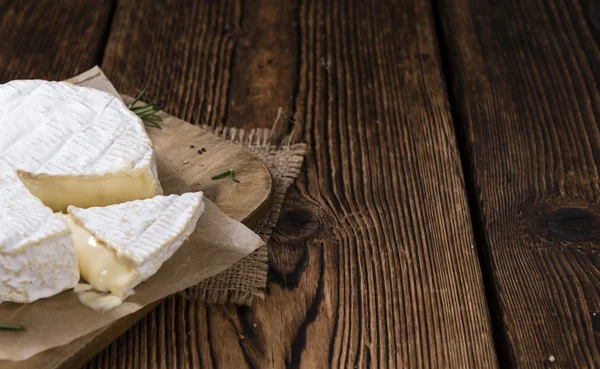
x=74, y=145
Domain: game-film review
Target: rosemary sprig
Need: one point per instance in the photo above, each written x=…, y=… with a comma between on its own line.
x=227, y=173
x=146, y=112
x=10, y=327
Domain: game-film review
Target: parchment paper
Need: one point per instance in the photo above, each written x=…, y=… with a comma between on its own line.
x=217, y=243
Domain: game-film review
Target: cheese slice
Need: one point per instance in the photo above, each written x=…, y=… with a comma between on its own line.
x=75, y=145
x=37, y=258
x=120, y=246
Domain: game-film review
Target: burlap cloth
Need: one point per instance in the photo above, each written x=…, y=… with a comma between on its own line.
x=246, y=280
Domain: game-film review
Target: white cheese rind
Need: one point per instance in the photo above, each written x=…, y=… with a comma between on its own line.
x=37, y=258
x=77, y=137
x=60, y=129
x=143, y=233
x=41, y=270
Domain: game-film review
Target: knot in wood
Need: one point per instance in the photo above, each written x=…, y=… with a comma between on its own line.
x=299, y=222
x=571, y=224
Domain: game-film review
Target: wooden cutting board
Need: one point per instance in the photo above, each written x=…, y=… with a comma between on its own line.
x=179, y=165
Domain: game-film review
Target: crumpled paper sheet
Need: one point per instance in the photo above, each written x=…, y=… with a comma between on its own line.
x=217, y=243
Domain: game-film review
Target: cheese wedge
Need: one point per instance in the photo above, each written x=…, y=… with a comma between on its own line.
x=37, y=257
x=120, y=246
x=75, y=145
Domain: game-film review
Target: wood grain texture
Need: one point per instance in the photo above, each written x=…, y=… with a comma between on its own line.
x=373, y=259
x=210, y=61
x=264, y=73
x=182, y=49
x=50, y=39
x=526, y=77
x=402, y=281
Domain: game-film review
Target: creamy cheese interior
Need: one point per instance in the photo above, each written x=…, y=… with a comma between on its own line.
x=97, y=300
x=59, y=193
x=99, y=265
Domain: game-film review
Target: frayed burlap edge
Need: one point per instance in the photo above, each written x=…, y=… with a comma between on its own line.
x=246, y=280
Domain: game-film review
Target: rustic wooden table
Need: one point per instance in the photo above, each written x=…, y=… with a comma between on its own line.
x=448, y=214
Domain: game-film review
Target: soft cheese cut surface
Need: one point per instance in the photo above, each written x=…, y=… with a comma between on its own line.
x=37, y=258
x=75, y=145
x=98, y=264
x=120, y=246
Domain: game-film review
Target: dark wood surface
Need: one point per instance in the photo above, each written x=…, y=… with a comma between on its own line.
x=527, y=99
x=375, y=241
x=374, y=261
x=51, y=39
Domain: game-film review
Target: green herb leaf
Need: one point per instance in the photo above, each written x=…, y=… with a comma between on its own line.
x=139, y=96
x=141, y=110
x=9, y=327
x=227, y=173
x=146, y=112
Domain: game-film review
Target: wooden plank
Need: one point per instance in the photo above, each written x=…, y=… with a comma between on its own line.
x=526, y=77
x=401, y=273
x=50, y=39
x=183, y=50
x=264, y=73
x=373, y=263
